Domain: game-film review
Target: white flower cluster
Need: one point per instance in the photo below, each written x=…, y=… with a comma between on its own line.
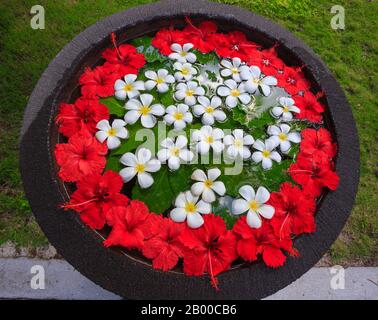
x=238, y=84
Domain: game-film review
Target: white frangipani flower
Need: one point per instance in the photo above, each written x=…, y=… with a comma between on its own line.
x=175, y=152
x=284, y=111
x=207, y=137
x=112, y=133
x=254, y=204
x=140, y=165
x=282, y=136
x=184, y=71
x=231, y=68
x=178, y=116
x=234, y=93
x=265, y=153
x=190, y=209
x=182, y=54
x=236, y=144
x=209, y=110
x=143, y=109
x=128, y=88
x=188, y=92
x=254, y=80
x=206, y=186
x=160, y=79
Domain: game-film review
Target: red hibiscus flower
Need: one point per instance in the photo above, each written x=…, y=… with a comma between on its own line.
x=311, y=108
x=293, y=80
x=81, y=156
x=131, y=225
x=123, y=60
x=166, y=37
x=235, y=44
x=202, y=36
x=251, y=242
x=164, y=248
x=317, y=142
x=267, y=60
x=210, y=248
x=95, y=195
x=83, y=113
x=294, y=211
x=313, y=174
x=97, y=82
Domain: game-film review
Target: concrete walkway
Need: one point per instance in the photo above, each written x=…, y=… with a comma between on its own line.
x=17, y=276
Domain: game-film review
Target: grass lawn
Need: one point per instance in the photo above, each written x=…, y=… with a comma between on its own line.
x=350, y=54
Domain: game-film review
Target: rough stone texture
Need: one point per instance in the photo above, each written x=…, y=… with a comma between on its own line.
x=64, y=282
x=122, y=273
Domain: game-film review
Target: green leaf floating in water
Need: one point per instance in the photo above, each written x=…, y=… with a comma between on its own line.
x=167, y=185
x=116, y=107
x=143, y=45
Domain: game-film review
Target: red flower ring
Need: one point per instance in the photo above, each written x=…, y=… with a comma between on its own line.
x=211, y=248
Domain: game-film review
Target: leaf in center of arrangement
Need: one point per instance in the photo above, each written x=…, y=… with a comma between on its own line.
x=167, y=185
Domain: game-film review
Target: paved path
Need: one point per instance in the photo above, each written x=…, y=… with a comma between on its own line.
x=63, y=282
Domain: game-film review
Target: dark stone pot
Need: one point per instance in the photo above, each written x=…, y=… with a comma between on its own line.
x=125, y=273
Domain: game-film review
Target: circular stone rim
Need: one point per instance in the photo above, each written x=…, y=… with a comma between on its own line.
x=124, y=275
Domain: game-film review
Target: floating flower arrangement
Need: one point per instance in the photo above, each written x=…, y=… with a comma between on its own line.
x=197, y=148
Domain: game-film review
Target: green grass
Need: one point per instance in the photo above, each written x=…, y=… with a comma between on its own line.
x=350, y=54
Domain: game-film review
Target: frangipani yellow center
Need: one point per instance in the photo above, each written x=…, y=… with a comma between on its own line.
x=235, y=93
x=253, y=205
x=144, y=110
x=185, y=71
x=160, y=80
x=175, y=151
x=209, y=139
x=208, y=183
x=190, y=207
x=128, y=87
x=189, y=93
x=286, y=109
x=112, y=132
x=140, y=167
x=266, y=153
x=234, y=70
x=178, y=116
x=238, y=143
x=183, y=53
x=282, y=136
x=209, y=109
